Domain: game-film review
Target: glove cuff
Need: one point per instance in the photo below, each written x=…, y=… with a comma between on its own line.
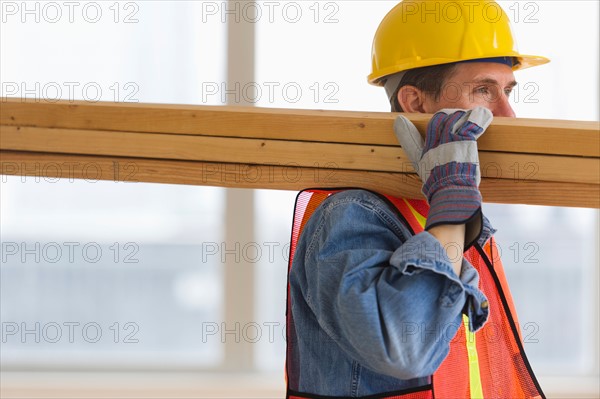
x=457, y=205
x=460, y=175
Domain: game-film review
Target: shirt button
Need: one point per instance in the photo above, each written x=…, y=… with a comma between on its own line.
x=484, y=305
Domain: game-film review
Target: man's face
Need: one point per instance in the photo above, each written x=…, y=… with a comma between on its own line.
x=485, y=84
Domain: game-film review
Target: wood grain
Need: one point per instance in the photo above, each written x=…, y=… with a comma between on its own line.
x=526, y=161
x=38, y=167
x=283, y=152
x=537, y=136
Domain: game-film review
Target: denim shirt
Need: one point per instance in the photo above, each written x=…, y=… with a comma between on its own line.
x=374, y=307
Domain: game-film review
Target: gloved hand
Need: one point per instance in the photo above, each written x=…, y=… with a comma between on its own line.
x=448, y=164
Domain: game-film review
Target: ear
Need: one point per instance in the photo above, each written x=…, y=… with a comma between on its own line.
x=411, y=99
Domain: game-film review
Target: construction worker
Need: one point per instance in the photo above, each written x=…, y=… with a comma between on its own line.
x=382, y=303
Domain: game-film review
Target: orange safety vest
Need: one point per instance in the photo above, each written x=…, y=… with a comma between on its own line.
x=488, y=364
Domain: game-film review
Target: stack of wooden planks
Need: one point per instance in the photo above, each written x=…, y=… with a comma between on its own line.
x=527, y=161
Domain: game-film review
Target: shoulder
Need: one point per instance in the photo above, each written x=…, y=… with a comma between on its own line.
x=369, y=200
x=357, y=209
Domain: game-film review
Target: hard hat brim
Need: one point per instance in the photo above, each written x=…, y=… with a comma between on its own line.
x=525, y=61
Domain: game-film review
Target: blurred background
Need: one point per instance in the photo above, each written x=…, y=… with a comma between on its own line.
x=113, y=289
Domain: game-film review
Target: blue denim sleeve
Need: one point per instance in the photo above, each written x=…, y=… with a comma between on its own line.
x=390, y=300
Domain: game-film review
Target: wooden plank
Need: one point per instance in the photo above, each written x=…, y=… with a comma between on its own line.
x=517, y=135
x=280, y=152
x=49, y=167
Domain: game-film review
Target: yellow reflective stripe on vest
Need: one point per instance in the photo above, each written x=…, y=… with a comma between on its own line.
x=416, y=214
x=476, y=390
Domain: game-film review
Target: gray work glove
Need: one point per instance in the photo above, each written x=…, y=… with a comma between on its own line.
x=448, y=164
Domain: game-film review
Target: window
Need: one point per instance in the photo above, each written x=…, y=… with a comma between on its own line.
x=139, y=277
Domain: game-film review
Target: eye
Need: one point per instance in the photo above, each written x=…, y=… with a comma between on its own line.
x=508, y=92
x=482, y=90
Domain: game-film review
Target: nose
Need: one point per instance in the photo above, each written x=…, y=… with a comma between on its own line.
x=502, y=107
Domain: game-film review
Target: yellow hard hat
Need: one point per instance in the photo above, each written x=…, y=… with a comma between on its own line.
x=419, y=33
